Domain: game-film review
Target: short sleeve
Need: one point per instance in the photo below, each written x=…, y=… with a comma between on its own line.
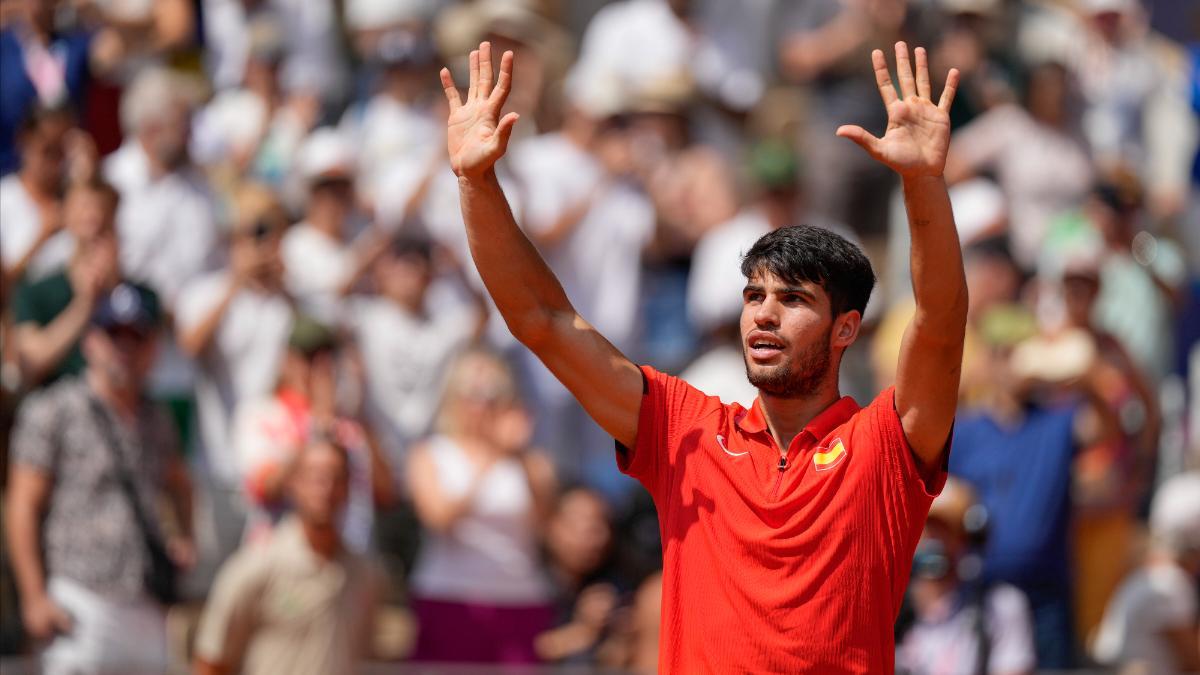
x=1011, y=628
x=669, y=405
x=906, y=489
x=230, y=615
x=1174, y=603
x=35, y=441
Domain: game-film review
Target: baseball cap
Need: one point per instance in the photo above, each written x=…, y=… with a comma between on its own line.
x=128, y=305
x=325, y=155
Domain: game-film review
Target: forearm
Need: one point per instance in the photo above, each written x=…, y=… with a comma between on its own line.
x=41, y=349
x=524, y=289
x=194, y=340
x=24, y=546
x=939, y=283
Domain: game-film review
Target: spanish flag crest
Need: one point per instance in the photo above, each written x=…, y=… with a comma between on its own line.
x=825, y=459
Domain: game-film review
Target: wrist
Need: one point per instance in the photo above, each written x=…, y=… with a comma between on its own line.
x=476, y=179
x=923, y=180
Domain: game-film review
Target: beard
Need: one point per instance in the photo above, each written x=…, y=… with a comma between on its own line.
x=786, y=380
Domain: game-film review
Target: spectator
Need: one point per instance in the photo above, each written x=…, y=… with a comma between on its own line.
x=1027, y=493
x=32, y=239
x=1152, y=624
x=166, y=221
x=1004, y=139
x=268, y=434
x=408, y=335
x=962, y=625
x=40, y=66
x=1137, y=118
x=235, y=323
x=300, y=602
x=824, y=45
x=592, y=226
x=52, y=314
x=327, y=253
x=93, y=461
x=482, y=497
x=579, y=542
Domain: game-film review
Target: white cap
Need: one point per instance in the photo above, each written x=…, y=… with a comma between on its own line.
x=1175, y=512
x=325, y=154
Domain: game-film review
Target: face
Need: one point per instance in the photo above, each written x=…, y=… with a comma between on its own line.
x=937, y=552
x=333, y=196
x=1079, y=294
x=579, y=534
x=789, y=338
x=319, y=485
x=43, y=152
x=1047, y=98
x=88, y=213
x=167, y=139
x=122, y=354
x=404, y=278
x=256, y=247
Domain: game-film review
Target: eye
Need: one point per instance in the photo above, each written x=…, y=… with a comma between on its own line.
x=793, y=298
x=752, y=296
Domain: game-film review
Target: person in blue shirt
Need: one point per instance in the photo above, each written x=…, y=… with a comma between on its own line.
x=1016, y=449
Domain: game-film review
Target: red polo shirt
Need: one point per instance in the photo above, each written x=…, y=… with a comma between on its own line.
x=769, y=571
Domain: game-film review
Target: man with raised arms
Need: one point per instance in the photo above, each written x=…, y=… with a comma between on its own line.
x=788, y=528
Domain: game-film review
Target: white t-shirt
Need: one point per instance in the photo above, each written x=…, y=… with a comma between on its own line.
x=406, y=358
x=383, y=129
x=241, y=363
x=714, y=294
x=1149, y=601
x=20, y=222
x=316, y=267
x=491, y=555
x=167, y=226
x=950, y=646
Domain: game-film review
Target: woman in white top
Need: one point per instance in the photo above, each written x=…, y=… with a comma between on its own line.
x=479, y=590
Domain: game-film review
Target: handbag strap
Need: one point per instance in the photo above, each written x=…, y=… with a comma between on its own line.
x=125, y=477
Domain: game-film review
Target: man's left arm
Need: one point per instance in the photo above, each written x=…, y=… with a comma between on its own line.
x=914, y=145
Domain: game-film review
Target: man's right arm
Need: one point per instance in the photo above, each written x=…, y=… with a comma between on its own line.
x=529, y=297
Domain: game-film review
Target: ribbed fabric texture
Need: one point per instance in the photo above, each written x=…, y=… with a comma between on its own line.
x=799, y=571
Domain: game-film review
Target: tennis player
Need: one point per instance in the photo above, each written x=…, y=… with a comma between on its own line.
x=788, y=529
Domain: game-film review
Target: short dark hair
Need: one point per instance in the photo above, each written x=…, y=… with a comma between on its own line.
x=817, y=255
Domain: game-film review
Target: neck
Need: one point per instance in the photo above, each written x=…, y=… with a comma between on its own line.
x=122, y=399
x=787, y=417
x=323, y=539
x=325, y=222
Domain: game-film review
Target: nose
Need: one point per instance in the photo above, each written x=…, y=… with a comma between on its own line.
x=767, y=314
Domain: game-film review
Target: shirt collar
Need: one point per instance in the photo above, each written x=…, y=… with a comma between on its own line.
x=754, y=421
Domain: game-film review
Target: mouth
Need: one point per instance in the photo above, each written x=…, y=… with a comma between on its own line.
x=762, y=346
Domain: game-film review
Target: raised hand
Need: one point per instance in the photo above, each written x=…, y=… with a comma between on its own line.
x=476, y=134
x=918, y=131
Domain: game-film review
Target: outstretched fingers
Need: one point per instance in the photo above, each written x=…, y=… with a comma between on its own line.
x=949, y=90
x=887, y=91
x=904, y=71
x=451, y=90
x=862, y=137
x=503, y=84
x=505, y=128
x=923, y=88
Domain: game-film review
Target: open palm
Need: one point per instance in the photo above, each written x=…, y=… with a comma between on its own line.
x=918, y=130
x=476, y=134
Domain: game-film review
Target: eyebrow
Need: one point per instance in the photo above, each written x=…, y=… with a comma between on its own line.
x=789, y=290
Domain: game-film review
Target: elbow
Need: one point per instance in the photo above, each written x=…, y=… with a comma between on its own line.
x=536, y=331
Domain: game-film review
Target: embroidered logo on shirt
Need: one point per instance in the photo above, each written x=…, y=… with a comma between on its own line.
x=721, y=442
x=825, y=459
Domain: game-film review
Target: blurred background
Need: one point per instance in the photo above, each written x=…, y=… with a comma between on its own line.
x=242, y=209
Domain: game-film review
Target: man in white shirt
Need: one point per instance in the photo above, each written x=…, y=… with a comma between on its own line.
x=324, y=255
x=166, y=221
x=408, y=335
x=591, y=226
x=235, y=323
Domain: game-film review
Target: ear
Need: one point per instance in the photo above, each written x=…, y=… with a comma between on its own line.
x=845, y=329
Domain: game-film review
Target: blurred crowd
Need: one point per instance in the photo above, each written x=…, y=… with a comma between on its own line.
x=260, y=415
